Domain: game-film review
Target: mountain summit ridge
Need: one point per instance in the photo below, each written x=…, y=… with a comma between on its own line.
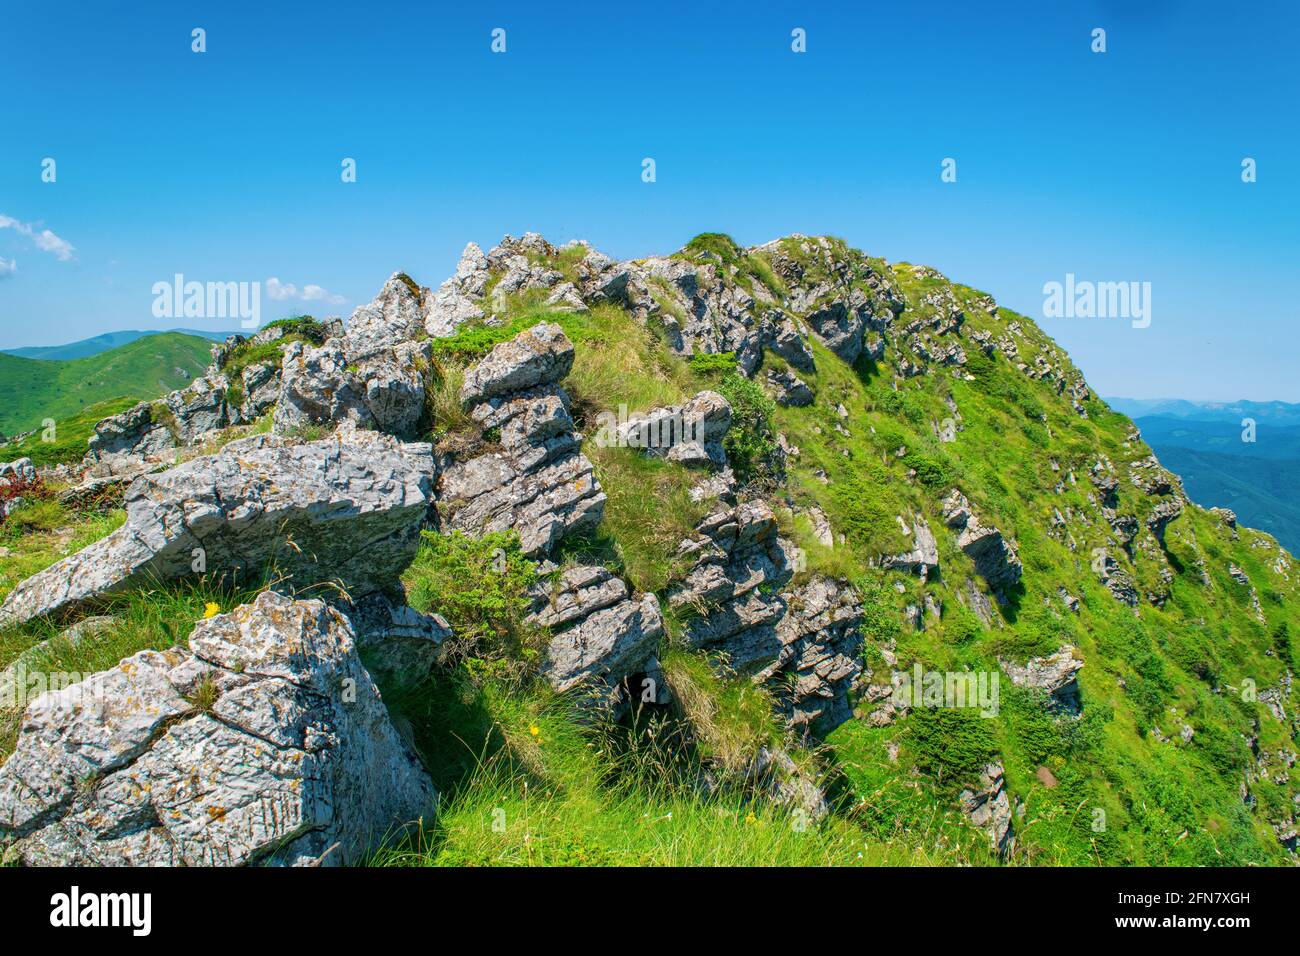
x=916, y=578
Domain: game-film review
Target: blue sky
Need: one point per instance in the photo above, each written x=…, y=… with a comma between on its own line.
x=225, y=165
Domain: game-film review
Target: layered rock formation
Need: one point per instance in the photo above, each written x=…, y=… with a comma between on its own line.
x=346, y=508
x=538, y=483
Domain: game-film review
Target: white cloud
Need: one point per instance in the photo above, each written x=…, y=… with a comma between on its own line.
x=44, y=239
x=281, y=291
x=7, y=267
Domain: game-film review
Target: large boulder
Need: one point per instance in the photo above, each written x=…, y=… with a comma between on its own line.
x=538, y=483
x=346, y=508
x=541, y=355
x=265, y=741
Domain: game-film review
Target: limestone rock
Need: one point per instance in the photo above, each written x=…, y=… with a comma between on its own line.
x=821, y=654
x=995, y=558
x=351, y=505
x=539, y=482
x=295, y=761
x=987, y=807
x=125, y=440
x=399, y=645
x=396, y=316
x=740, y=564
x=602, y=634
x=690, y=434
x=1055, y=675
x=923, y=559
x=789, y=389
x=384, y=389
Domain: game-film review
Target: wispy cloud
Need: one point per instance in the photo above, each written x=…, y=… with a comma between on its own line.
x=281, y=291
x=44, y=239
x=7, y=267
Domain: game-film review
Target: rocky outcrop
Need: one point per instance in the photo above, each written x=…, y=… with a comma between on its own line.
x=805, y=642
x=384, y=389
x=1114, y=578
x=538, y=482
x=602, y=634
x=690, y=434
x=988, y=808
x=733, y=587
x=265, y=741
x=923, y=559
x=995, y=558
x=789, y=389
x=126, y=440
x=1054, y=675
x=347, y=508
x=394, y=317
x=821, y=654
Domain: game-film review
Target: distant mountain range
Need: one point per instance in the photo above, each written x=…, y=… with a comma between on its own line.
x=103, y=343
x=1275, y=413
x=1204, y=442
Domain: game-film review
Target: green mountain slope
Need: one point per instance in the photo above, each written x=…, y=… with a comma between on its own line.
x=145, y=368
x=1053, y=532
x=101, y=343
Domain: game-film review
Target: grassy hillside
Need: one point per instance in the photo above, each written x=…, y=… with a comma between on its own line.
x=1183, y=752
x=145, y=368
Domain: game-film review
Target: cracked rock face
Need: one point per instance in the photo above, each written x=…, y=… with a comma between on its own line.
x=384, y=390
x=295, y=760
x=995, y=559
x=124, y=441
x=740, y=565
x=923, y=559
x=539, y=482
x=602, y=633
x=987, y=807
x=690, y=434
x=822, y=651
x=351, y=504
x=808, y=638
x=1055, y=675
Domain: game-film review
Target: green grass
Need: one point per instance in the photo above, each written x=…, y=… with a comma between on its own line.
x=35, y=390
x=68, y=438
